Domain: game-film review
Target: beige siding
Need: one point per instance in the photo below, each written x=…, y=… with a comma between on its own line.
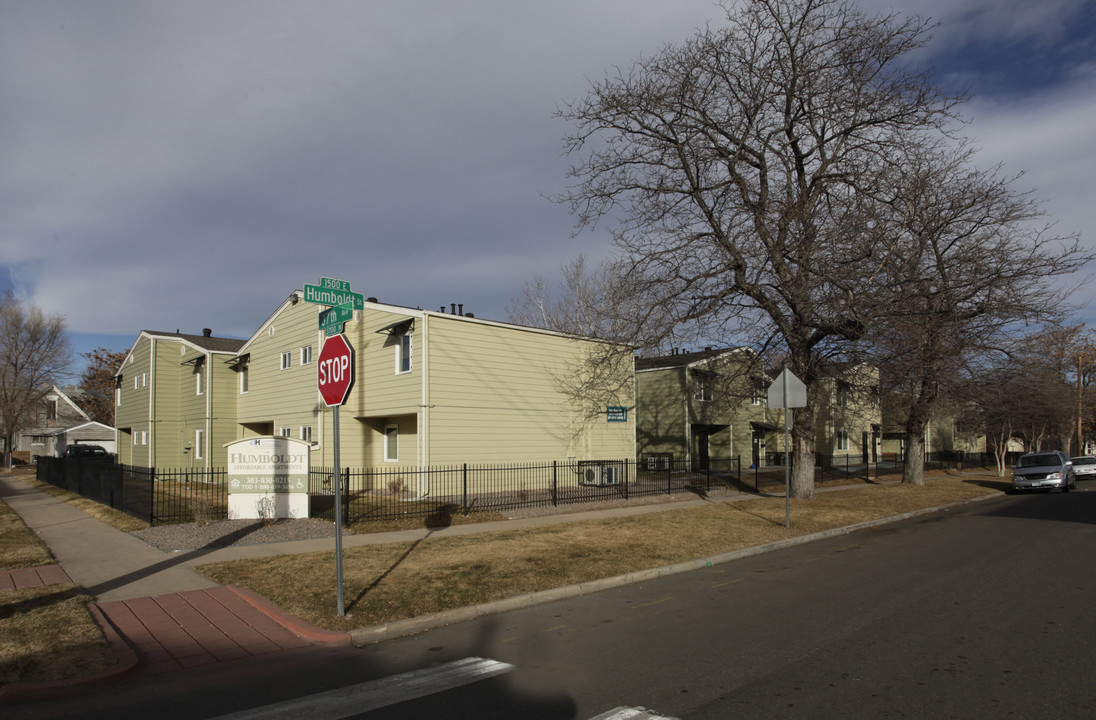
x=497, y=394
x=278, y=398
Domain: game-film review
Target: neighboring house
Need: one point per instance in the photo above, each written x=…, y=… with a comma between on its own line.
x=58, y=422
x=176, y=400
x=704, y=408
x=431, y=388
x=848, y=417
x=947, y=431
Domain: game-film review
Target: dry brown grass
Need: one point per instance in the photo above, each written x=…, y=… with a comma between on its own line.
x=383, y=583
x=47, y=633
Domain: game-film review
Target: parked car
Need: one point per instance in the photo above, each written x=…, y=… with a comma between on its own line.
x=1044, y=471
x=88, y=452
x=1084, y=466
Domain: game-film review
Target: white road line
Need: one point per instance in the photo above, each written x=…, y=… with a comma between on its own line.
x=363, y=697
x=630, y=713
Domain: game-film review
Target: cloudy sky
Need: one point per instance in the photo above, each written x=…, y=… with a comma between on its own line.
x=180, y=165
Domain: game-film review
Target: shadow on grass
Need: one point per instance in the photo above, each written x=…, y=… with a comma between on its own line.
x=438, y=520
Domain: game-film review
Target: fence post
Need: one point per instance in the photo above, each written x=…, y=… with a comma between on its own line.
x=627, y=477
x=151, y=496
x=555, y=483
x=345, y=496
x=464, y=487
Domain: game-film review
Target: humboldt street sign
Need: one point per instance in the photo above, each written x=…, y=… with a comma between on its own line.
x=333, y=292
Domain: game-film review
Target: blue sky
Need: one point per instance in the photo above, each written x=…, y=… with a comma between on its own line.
x=187, y=165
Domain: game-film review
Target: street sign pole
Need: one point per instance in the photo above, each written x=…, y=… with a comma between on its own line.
x=788, y=392
x=337, y=486
x=787, y=466
x=335, y=375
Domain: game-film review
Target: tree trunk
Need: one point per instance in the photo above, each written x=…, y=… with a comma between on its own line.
x=913, y=469
x=802, y=477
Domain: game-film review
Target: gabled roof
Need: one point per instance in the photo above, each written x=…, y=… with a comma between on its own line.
x=203, y=342
x=686, y=359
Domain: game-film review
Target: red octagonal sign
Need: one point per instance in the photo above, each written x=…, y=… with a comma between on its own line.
x=335, y=370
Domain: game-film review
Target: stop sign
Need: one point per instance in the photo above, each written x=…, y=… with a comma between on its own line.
x=335, y=370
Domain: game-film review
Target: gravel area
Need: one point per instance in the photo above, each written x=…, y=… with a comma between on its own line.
x=223, y=533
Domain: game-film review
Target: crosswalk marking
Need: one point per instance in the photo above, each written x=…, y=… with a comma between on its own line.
x=630, y=713
x=363, y=697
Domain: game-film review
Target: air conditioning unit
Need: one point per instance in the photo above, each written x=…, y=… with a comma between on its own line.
x=600, y=475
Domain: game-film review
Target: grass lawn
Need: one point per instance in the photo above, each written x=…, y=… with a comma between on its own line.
x=46, y=633
x=383, y=583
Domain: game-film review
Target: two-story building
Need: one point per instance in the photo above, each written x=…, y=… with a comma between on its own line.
x=175, y=400
x=430, y=388
x=58, y=421
x=848, y=416
x=705, y=408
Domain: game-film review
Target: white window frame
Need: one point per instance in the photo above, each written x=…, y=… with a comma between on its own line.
x=199, y=376
x=287, y=359
x=306, y=354
x=391, y=443
x=244, y=379
x=404, y=353
x=286, y=432
x=306, y=433
x=199, y=444
x=842, y=439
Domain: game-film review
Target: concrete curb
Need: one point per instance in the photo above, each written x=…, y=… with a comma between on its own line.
x=292, y=623
x=399, y=628
x=125, y=664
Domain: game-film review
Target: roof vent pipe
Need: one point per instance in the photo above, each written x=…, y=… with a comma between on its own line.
x=460, y=309
x=207, y=332
x=452, y=308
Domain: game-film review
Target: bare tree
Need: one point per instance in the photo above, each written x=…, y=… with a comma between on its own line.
x=966, y=268
x=732, y=165
x=34, y=354
x=97, y=384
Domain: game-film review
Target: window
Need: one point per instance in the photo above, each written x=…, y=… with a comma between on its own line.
x=842, y=396
x=306, y=433
x=842, y=439
x=403, y=354
x=37, y=439
x=306, y=354
x=391, y=443
x=287, y=359
x=702, y=388
x=756, y=395
x=51, y=409
x=136, y=382
x=199, y=444
x=199, y=375
x=140, y=438
x=286, y=432
x=243, y=380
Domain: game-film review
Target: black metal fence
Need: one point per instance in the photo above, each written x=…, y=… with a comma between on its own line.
x=165, y=496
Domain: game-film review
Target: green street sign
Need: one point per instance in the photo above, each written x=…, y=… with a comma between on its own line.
x=335, y=316
x=340, y=295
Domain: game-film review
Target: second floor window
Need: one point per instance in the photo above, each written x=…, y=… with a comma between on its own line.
x=287, y=360
x=306, y=354
x=403, y=356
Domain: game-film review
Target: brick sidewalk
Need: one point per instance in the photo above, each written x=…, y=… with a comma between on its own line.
x=196, y=627
x=33, y=577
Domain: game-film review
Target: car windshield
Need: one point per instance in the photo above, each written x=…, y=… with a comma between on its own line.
x=1084, y=461
x=1039, y=460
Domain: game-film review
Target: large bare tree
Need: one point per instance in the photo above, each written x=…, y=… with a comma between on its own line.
x=97, y=384
x=732, y=165
x=968, y=266
x=34, y=354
